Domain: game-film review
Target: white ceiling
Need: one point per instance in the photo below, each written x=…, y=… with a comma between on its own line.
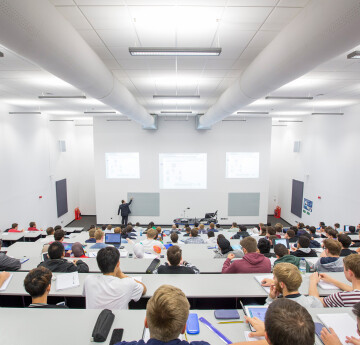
x=242, y=28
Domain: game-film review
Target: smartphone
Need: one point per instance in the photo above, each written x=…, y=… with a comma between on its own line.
x=192, y=325
x=130, y=255
x=116, y=336
x=318, y=328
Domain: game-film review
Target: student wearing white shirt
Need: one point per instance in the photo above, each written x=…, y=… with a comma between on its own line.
x=113, y=289
x=150, y=242
x=211, y=237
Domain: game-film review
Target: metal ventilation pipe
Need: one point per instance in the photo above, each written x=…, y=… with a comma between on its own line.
x=37, y=31
x=321, y=31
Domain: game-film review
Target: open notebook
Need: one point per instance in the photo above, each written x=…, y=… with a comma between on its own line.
x=6, y=283
x=261, y=278
x=67, y=281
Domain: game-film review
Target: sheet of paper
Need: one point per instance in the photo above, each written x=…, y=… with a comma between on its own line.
x=6, y=283
x=343, y=325
x=149, y=256
x=92, y=254
x=247, y=338
x=124, y=254
x=327, y=286
x=261, y=278
x=67, y=281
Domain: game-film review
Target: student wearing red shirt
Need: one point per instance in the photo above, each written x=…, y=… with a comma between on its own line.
x=14, y=228
x=32, y=227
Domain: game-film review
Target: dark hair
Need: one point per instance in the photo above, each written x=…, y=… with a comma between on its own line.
x=32, y=224
x=243, y=228
x=264, y=245
x=322, y=223
x=218, y=225
x=77, y=249
x=288, y=323
x=356, y=309
x=107, y=259
x=337, y=225
x=92, y=226
x=122, y=201
x=345, y=240
x=333, y=233
x=301, y=225
x=278, y=229
x=50, y=230
x=312, y=229
x=57, y=227
x=249, y=243
x=291, y=233
x=323, y=226
x=14, y=225
x=352, y=228
x=280, y=250
x=196, y=224
x=129, y=228
x=103, y=227
x=224, y=244
x=270, y=230
x=211, y=234
x=174, y=255
x=59, y=234
x=37, y=281
x=56, y=250
x=304, y=242
x=188, y=229
x=194, y=232
x=174, y=237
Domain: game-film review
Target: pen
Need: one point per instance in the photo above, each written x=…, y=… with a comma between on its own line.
x=185, y=336
x=223, y=322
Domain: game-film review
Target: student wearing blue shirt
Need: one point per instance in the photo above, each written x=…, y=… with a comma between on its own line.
x=99, y=236
x=166, y=314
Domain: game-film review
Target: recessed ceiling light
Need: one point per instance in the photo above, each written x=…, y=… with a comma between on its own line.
x=176, y=96
x=99, y=112
x=289, y=97
x=354, y=55
x=25, y=112
x=52, y=96
x=327, y=113
x=167, y=51
x=253, y=112
x=176, y=112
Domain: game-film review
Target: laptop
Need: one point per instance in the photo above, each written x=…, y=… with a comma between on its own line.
x=283, y=241
x=114, y=239
x=346, y=228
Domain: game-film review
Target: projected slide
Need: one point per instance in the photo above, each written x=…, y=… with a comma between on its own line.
x=182, y=170
x=242, y=164
x=122, y=165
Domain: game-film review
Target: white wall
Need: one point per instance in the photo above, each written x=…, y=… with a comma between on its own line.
x=180, y=136
x=328, y=164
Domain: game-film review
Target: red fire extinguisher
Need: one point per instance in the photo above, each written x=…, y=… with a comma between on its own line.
x=77, y=213
x=277, y=212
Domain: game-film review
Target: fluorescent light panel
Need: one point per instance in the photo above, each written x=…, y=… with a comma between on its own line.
x=176, y=112
x=50, y=96
x=354, y=55
x=253, y=112
x=289, y=97
x=176, y=96
x=167, y=51
x=99, y=112
x=25, y=112
x=290, y=121
x=327, y=113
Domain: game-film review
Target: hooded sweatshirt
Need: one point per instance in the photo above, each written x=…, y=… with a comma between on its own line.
x=62, y=265
x=329, y=264
x=250, y=263
x=304, y=253
x=291, y=259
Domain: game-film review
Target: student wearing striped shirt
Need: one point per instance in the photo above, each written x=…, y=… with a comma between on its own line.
x=350, y=295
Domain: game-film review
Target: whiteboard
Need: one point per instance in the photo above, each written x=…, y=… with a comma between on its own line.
x=144, y=204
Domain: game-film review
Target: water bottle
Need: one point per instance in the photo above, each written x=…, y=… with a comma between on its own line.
x=141, y=232
x=302, y=266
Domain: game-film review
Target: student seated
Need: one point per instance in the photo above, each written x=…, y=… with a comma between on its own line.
x=113, y=289
x=175, y=264
x=14, y=228
x=211, y=237
x=99, y=237
x=286, y=323
x=312, y=232
x=331, y=233
x=150, y=242
x=194, y=238
x=330, y=260
x=78, y=250
x=303, y=250
x=7, y=263
x=202, y=229
x=3, y=277
x=264, y=247
x=283, y=255
x=175, y=229
x=49, y=234
x=286, y=283
x=32, y=227
x=279, y=229
x=59, y=235
x=167, y=312
x=350, y=294
x=212, y=227
x=174, y=237
x=187, y=230
x=57, y=263
x=109, y=229
x=345, y=242
x=290, y=235
x=234, y=227
x=225, y=248
x=37, y=284
x=219, y=228
x=241, y=234
x=252, y=262
x=91, y=238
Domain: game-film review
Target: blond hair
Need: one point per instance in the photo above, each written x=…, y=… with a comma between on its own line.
x=352, y=263
x=201, y=226
x=99, y=235
x=167, y=312
x=289, y=275
x=117, y=230
x=333, y=246
x=151, y=233
x=92, y=233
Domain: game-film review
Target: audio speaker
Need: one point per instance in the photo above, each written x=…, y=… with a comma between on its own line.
x=296, y=146
x=62, y=145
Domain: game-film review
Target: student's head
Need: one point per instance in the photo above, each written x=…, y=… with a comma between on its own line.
x=188, y=229
x=300, y=225
x=14, y=225
x=224, y=244
x=151, y=224
x=108, y=259
x=288, y=323
x=158, y=229
x=103, y=227
x=264, y=246
x=218, y=226
x=270, y=231
x=59, y=235
x=99, y=235
x=279, y=225
x=234, y=225
x=109, y=227
x=303, y=242
x=356, y=311
x=57, y=227
x=332, y=233
x=77, y=249
x=322, y=227
x=337, y=226
x=332, y=247
x=211, y=234
x=174, y=237
x=322, y=223
x=201, y=226
x=151, y=234
x=173, y=227
x=249, y=245
x=38, y=282
x=212, y=225
x=345, y=240
x=352, y=266
x=243, y=228
x=129, y=228
x=287, y=275
x=280, y=250
x=290, y=234
x=137, y=224
x=56, y=250
x=194, y=232
x=312, y=230
x=272, y=238
x=278, y=229
x=92, y=233
x=92, y=226
x=166, y=313
x=117, y=230
x=32, y=225
x=352, y=229
x=174, y=255
x=50, y=231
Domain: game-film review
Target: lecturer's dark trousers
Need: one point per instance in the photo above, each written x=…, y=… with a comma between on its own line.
x=124, y=220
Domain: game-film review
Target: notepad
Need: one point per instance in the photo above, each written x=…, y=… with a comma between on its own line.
x=124, y=254
x=261, y=278
x=149, y=256
x=6, y=283
x=247, y=338
x=67, y=281
x=327, y=286
x=343, y=325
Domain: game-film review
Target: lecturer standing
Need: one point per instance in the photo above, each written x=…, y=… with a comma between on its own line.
x=125, y=211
